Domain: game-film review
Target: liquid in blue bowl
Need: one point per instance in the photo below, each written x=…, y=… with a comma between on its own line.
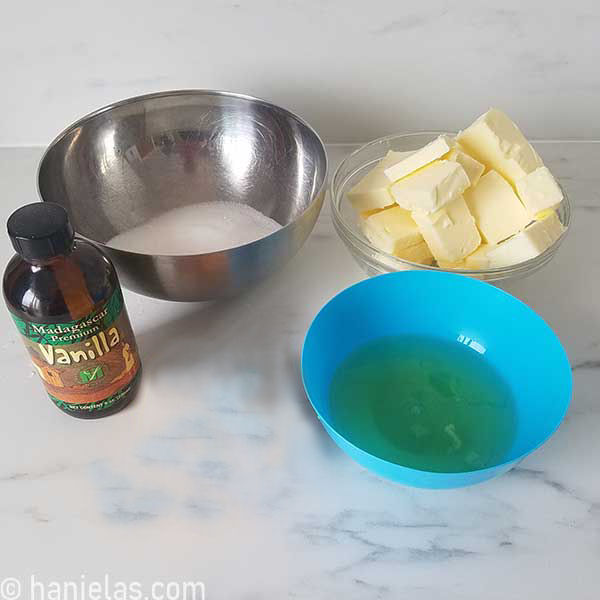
x=434, y=380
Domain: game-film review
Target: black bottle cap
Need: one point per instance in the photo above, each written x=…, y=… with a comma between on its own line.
x=40, y=231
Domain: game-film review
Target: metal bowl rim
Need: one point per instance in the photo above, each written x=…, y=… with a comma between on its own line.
x=187, y=92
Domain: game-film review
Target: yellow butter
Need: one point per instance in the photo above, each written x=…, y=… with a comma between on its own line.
x=543, y=214
x=367, y=213
x=407, y=165
x=497, y=209
x=430, y=188
x=419, y=253
x=473, y=168
x=372, y=191
x=450, y=232
x=539, y=191
x=392, y=230
x=527, y=244
x=494, y=140
x=479, y=259
x=460, y=264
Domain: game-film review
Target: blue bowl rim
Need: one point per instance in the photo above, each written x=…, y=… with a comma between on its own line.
x=451, y=276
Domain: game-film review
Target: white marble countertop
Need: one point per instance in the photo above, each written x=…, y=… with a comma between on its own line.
x=219, y=472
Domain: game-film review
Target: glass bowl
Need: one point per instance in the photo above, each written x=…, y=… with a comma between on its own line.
x=372, y=260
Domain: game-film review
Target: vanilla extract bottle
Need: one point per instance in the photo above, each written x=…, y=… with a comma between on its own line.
x=65, y=299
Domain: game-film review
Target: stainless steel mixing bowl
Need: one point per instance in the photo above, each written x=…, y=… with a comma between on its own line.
x=128, y=162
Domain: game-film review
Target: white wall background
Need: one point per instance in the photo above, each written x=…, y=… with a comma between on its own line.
x=355, y=69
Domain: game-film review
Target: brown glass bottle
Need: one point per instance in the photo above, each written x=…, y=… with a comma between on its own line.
x=64, y=296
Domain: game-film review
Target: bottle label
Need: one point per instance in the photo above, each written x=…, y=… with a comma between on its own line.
x=88, y=364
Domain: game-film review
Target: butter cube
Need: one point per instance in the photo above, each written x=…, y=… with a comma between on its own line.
x=367, y=213
x=372, y=191
x=494, y=140
x=420, y=158
x=543, y=214
x=460, y=264
x=450, y=232
x=527, y=244
x=420, y=253
x=497, y=209
x=476, y=260
x=479, y=259
x=394, y=231
x=430, y=188
x=539, y=191
x=473, y=168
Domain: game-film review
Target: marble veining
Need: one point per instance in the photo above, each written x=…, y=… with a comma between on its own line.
x=220, y=471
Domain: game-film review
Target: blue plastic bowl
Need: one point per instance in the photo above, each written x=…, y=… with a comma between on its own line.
x=513, y=338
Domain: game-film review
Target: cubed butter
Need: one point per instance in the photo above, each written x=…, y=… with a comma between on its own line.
x=473, y=168
x=497, y=209
x=479, y=259
x=415, y=254
x=460, y=264
x=372, y=191
x=494, y=140
x=394, y=231
x=527, y=244
x=430, y=188
x=420, y=158
x=476, y=260
x=539, y=191
x=543, y=214
x=367, y=213
x=419, y=253
x=450, y=232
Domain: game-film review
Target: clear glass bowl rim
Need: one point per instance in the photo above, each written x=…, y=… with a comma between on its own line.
x=368, y=252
